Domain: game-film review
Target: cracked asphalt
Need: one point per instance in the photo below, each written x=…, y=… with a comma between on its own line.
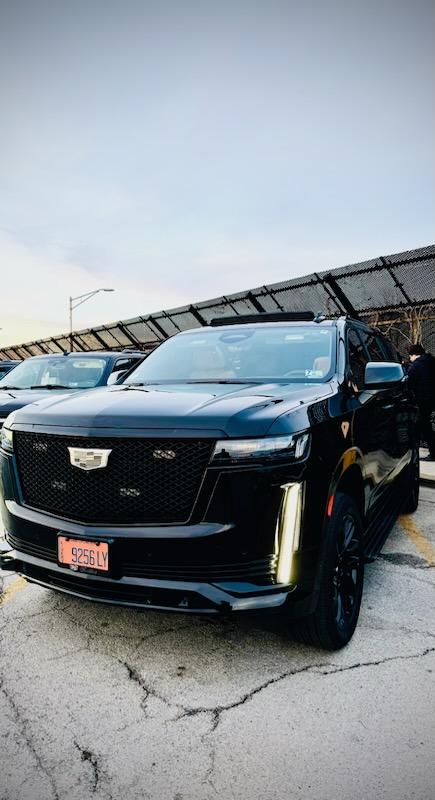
x=103, y=702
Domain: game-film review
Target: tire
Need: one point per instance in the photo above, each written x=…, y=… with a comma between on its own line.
x=411, y=503
x=334, y=620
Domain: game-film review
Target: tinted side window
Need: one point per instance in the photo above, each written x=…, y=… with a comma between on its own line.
x=390, y=351
x=124, y=364
x=373, y=345
x=357, y=357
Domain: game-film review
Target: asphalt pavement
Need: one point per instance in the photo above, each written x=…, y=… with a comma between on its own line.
x=427, y=468
x=104, y=702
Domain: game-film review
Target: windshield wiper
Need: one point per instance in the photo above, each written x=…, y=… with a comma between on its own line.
x=223, y=380
x=8, y=388
x=51, y=386
x=185, y=380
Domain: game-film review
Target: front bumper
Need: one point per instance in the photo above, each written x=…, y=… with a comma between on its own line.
x=202, y=567
x=186, y=597
x=28, y=557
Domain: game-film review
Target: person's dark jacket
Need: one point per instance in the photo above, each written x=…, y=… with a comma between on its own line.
x=421, y=377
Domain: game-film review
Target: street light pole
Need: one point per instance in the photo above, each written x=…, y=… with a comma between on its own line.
x=75, y=302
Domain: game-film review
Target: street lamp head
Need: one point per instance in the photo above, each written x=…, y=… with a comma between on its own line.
x=80, y=299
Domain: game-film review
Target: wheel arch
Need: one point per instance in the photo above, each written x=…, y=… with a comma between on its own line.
x=348, y=479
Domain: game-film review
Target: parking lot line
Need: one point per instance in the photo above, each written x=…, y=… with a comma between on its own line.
x=17, y=585
x=422, y=544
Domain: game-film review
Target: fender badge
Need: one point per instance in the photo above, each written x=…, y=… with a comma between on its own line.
x=345, y=428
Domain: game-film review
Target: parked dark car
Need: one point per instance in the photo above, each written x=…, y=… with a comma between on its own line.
x=248, y=466
x=6, y=366
x=38, y=376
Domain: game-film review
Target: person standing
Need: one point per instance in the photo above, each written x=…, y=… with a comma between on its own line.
x=421, y=376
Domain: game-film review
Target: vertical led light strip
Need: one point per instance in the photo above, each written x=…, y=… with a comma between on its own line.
x=289, y=529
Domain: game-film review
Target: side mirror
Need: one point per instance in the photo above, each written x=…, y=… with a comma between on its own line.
x=116, y=377
x=383, y=374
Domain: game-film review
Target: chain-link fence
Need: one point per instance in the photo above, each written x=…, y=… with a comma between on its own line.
x=407, y=326
x=395, y=292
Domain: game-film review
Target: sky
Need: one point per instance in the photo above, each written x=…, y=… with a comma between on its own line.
x=177, y=150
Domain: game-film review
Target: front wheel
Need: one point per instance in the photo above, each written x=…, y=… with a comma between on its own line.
x=334, y=620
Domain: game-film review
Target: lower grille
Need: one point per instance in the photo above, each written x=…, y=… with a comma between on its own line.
x=251, y=571
x=48, y=553
x=142, y=562
x=138, y=485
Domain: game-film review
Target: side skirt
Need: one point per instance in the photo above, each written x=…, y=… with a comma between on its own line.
x=379, y=529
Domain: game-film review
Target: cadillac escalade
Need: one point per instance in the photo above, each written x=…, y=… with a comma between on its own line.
x=251, y=465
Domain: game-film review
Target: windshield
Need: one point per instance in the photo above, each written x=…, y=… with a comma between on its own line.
x=284, y=353
x=62, y=372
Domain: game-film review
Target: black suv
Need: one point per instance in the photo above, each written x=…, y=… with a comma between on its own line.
x=39, y=376
x=253, y=464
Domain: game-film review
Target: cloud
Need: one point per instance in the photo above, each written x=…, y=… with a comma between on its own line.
x=176, y=152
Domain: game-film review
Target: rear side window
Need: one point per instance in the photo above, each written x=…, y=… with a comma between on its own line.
x=120, y=368
x=357, y=357
x=390, y=351
x=124, y=364
x=373, y=345
x=378, y=347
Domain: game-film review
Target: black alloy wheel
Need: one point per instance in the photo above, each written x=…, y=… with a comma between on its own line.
x=347, y=572
x=340, y=582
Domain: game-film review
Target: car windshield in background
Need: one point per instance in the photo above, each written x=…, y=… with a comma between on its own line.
x=285, y=353
x=63, y=372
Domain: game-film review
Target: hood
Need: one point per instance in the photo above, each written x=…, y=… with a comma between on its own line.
x=219, y=409
x=11, y=399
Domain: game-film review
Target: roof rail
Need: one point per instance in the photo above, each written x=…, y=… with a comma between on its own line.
x=131, y=350
x=264, y=316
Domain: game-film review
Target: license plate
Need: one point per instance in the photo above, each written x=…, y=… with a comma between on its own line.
x=80, y=554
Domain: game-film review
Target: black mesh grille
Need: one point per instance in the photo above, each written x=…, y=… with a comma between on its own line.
x=134, y=487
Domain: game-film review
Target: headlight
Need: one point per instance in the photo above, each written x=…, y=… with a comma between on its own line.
x=7, y=437
x=7, y=440
x=228, y=451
